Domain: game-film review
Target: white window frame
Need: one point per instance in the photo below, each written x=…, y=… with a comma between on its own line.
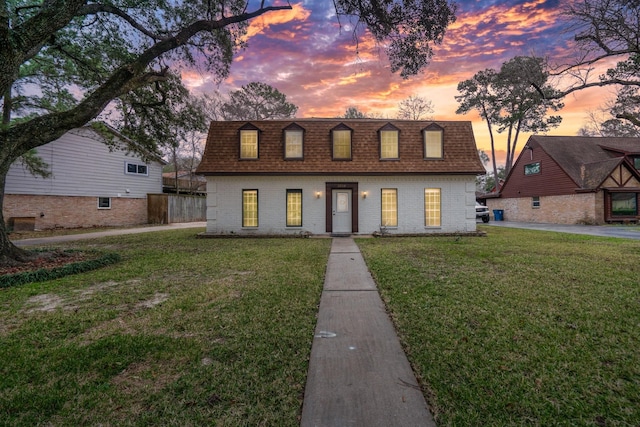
x=433, y=143
x=389, y=205
x=102, y=199
x=253, y=144
x=535, y=202
x=137, y=166
x=294, y=145
x=428, y=209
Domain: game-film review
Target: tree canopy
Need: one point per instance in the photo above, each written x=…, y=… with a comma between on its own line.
x=257, y=101
x=510, y=100
x=606, y=32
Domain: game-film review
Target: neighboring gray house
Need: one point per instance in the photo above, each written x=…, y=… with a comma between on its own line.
x=340, y=176
x=91, y=184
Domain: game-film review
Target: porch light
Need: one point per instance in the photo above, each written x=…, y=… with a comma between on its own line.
x=318, y=194
x=364, y=194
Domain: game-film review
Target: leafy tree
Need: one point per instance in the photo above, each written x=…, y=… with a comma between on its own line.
x=62, y=62
x=414, y=108
x=257, y=101
x=510, y=101
x=606, y=31
x=354, y=113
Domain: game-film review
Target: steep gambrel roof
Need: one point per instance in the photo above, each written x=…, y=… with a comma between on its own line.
x=222, y=157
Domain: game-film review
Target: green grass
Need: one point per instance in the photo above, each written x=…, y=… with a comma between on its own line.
x=182, y=331
x=518, y=328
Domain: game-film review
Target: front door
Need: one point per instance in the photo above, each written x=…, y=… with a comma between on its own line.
x=341, y=199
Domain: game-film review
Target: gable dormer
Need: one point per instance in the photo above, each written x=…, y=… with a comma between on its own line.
x=249, y=142
x=433, y=142
x=341, y=142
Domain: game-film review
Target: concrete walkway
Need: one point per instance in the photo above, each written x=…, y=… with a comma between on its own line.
x=41, y=241
x=358, y=373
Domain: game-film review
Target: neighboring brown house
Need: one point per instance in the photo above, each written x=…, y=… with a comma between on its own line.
x=340, y=176
x=573, y=180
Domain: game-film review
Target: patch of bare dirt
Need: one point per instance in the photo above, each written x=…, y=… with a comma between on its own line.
x=46, y=260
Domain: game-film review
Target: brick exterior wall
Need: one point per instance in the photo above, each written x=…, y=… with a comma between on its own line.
x=224, y=203
x=568, y=209
x=75, y=212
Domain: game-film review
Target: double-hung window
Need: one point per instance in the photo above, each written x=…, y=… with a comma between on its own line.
x=389, y=205
x=249, y=143
x=341, y=142
x=389, y=137
x=433, y=142
x=293, y=142
x=249, y=208
x=432, y=212
x=294, y=208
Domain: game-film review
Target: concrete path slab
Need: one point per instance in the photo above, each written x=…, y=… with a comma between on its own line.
x=358, y=372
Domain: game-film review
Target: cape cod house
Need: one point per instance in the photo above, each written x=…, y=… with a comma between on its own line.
x=340, y=177
x=573, y=179
x=91, y=184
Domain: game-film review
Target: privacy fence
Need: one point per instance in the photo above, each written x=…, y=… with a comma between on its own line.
x=170, y=208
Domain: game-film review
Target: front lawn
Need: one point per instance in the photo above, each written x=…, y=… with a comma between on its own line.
x=518, y=328
x=182, y=331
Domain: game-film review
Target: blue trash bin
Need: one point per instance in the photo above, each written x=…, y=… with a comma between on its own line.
x=498, y=214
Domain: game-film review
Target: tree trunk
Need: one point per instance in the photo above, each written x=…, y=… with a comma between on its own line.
x=9, y=253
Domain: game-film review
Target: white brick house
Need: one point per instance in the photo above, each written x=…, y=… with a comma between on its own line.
x=333, y=176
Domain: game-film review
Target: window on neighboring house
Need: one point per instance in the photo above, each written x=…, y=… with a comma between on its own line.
x=341, y=143
x=293, y=142
x=624, y=204
x=532, y=168
x=131, y=168
x=389, y=137
x=636, y=162
x=294, y=208
x=104, y=202
x=432, y=216
x=249, y=208
x=248, y=143
x=433, y=142
x=389, y=206
x=535, y=202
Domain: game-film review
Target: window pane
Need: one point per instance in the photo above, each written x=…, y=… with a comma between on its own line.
x=432, y=207
x=624, y=204
x=389, y=144
x=250, y=208
x=341, y=144
x=433, y=144
x=142, y=169
x=249, y=144
x=294, y=208
x=389, y=207
x=636, y=162
x=293, y=144
x=532, y=168
x=104, y=203
x=132, y=168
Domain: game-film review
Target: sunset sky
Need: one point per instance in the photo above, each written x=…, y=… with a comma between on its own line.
x=304, y=54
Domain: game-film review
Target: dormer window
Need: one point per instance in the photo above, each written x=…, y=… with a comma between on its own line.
x=341, y=142
x=433, y=142
x=249, y=142
x=293, y=142
x=389, y=136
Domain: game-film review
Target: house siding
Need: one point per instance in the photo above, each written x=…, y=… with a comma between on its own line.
x=224, y=203
x=584, y=208
x=551, y=180
x=82, y=169
x=81, y=165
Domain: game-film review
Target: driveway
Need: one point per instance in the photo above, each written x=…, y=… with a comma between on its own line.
x=593, y=230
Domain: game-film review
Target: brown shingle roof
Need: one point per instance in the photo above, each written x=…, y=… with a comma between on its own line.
x=221, y=155
x=587, y=160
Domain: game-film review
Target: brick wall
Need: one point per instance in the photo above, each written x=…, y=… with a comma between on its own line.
x=75, y=212
x=568, y=209
x=224, y=203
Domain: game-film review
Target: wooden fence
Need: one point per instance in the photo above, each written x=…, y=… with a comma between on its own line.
x=169, y=208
